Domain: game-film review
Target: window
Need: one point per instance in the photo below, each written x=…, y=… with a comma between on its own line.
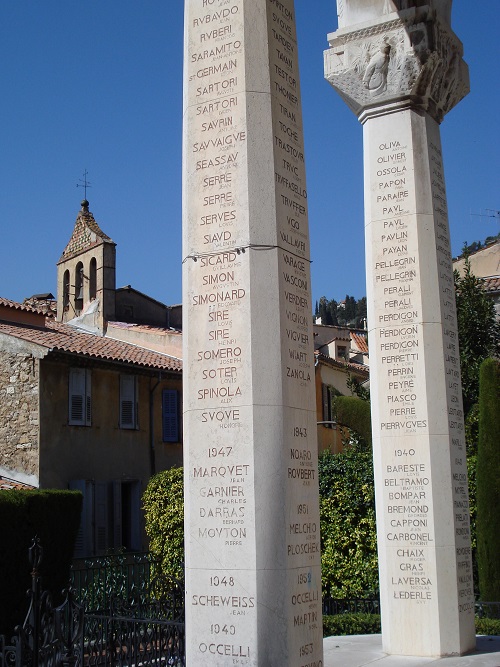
x=342, y=352
x=79, y=287
x=93, y=279
x=110, y=518
x=328, y=394
x=170, y=415
x=128, y=401
x=66, y=290
x=80, y=401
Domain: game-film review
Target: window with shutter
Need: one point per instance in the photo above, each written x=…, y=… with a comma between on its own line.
x=327, y=404
x=80, y=400
x=170, y=415
x=128, y=401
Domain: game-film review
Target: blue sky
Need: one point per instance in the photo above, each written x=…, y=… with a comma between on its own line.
x=97, y=85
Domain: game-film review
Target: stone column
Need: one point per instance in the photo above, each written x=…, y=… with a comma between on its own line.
x=253, y=581
x=400, y=69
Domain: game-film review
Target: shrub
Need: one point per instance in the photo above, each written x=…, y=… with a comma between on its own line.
x=53, y=516
x=348, y=535
x=487, y=626
x=488, y=482
x=370, y=624
x=351, y=624
x=163, y=503
x=355, y=414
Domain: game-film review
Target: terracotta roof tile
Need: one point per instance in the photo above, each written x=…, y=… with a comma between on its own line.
x=86, y=234
x=7, y=484
x=20, y=306
x=491, y=284
x=349, y=365
x=59, y=337
x=360, y=342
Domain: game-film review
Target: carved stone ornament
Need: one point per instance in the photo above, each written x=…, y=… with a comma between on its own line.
x=410, y=58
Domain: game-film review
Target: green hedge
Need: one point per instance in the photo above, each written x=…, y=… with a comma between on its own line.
x=488, y=626
x=369, y=624
x=52, y=515
x=355, y=414
x=351, y=624
x=488, y=482
x=163, y=504
x=348, y=535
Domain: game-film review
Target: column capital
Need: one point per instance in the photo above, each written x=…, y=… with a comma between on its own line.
x=401, y=59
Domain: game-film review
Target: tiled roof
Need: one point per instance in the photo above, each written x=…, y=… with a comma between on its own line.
x=151, y=328
x=59, y=337
x=20, y=306
x=491, y=284
x=349, y=365
x=360, y=342
x=7, y=484
x=86, y=234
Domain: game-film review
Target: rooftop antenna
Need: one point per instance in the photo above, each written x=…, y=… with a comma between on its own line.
x=84, y=183
x=488, y=213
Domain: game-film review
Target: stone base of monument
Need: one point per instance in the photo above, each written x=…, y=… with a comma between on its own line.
x=365, y=650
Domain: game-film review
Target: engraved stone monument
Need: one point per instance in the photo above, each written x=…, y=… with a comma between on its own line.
x=399, y=67
x=253, y=581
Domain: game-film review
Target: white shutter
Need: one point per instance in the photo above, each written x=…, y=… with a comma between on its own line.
x=127, y=401
x=77, y=396
x=117, y=514
x=324, y=391
x=80, y=401
x=83, y=544
x=88, y=397
x=101, y=518
x=135, y=516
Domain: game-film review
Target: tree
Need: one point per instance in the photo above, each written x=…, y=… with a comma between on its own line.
x=478, y=331
x=361, y=313
x=488, y=482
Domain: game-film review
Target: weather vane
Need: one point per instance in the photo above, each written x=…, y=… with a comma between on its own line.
x=84, y=183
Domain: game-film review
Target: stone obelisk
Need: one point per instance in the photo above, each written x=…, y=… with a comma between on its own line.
x=253, y=581
x=399, y=67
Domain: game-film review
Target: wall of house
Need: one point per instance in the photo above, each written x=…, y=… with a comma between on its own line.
x=330, y=436
x=484, y=262
x=19, y=372
x=109, y=464
x=160, y=340
x=132, y=306
x=102, y=451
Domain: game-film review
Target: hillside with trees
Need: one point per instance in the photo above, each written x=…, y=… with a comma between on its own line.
x=348, y=312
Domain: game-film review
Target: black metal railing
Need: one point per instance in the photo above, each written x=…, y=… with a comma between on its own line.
x=334, y=606
x=128, y=642
x=97, y=581
x=121, y=612
x=488, y=609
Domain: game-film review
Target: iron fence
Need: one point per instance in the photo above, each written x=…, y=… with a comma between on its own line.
x=333, y=606
x=129, y=642
x=119, y=612
x=488, y=609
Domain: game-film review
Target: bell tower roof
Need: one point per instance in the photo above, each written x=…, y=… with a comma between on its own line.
x=86, y=234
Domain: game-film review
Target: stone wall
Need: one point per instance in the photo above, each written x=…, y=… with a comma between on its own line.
x=19, y=373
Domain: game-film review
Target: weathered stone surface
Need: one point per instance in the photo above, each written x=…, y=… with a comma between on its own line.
x=401, y=58
x=400, y=68
x=253, y=583
x=18, y=412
